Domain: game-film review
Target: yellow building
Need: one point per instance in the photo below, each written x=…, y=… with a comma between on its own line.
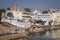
x=57, y=18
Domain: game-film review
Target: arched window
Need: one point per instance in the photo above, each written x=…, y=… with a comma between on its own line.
x=9, y=14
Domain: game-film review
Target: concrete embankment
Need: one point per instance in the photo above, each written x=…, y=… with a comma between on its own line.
x=13, y=36
x=54, y=28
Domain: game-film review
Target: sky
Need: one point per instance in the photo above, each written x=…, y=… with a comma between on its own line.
x=32, y=4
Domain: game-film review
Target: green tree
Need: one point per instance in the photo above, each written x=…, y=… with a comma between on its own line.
x=2, y=10
x=27, y=9
x=8, y=8
x=44, y=12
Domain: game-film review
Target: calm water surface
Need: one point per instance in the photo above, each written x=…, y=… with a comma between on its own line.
x=49, y=35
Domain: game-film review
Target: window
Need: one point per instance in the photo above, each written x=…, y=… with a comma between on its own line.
x=9, y=14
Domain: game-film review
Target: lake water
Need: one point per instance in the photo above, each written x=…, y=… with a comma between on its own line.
x=49, y=35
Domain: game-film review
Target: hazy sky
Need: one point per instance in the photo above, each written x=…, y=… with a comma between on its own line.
x=33, y=4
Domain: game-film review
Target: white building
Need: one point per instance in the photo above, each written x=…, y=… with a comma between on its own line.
x=43, y=17
x=53, y=14
x=13, y=14
x=16, y=14
x=36, y=12
x=56, y=17
x=15, y=17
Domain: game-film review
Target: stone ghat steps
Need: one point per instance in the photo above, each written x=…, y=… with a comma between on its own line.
x=13, y=36
x=9, y=26
x=3, y=27
x=37, y=30
x=6, y=27
x=5, y=24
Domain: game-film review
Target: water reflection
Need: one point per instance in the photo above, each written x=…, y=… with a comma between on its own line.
x=49, y=35
x=56, y=34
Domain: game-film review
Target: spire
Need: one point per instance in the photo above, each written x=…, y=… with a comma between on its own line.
x=14, y=7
